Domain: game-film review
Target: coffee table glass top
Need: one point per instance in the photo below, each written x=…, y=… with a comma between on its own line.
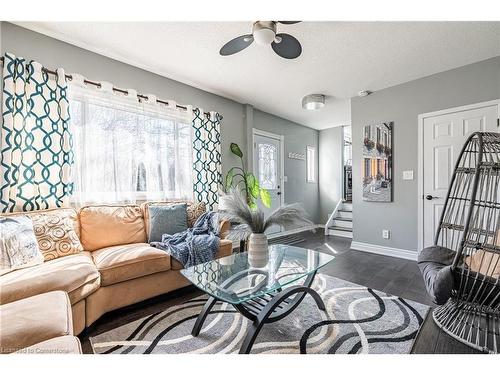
x=233, y=279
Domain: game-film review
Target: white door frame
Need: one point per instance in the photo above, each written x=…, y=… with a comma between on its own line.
x=281, y=139
x=420, y=154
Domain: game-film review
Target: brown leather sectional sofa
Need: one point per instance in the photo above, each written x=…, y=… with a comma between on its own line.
x=117, y=267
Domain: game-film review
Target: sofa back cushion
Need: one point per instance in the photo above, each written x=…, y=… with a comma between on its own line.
x=103, y=226
x=57, y=232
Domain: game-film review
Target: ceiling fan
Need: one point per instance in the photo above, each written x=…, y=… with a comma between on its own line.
x=264, y=32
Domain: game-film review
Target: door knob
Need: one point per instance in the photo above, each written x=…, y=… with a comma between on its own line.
x=430, y=197
x=278, y=193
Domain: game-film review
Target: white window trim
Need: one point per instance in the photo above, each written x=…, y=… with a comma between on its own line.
x=101, y=99
x=314, y=170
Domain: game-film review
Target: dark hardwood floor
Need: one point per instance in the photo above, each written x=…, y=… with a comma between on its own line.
x=388, y=274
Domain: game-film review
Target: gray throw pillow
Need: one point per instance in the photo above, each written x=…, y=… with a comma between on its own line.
x=166, y=219
x=435, y=265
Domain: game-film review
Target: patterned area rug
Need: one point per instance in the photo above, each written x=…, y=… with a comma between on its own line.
x=357, y=320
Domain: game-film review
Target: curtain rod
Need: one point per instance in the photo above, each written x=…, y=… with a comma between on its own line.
x=97, y=84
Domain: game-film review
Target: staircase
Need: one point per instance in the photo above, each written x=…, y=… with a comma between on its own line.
x=340, y=221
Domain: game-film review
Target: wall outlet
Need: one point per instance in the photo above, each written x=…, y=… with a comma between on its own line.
x=386, y=233
x=407, y=175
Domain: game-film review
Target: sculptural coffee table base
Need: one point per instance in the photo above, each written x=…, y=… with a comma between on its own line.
x=264, y=309
x=263, y=295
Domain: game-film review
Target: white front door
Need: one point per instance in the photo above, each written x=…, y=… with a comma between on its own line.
x=267, y=168
x=443, y=138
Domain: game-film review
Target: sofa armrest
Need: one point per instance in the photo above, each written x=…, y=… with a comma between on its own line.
x=224, y=227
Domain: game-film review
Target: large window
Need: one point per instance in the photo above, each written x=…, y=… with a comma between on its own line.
x=127, y=151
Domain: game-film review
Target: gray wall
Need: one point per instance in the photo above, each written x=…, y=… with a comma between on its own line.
x=330, y=170
x=297, y=137
x=54, y=53
x=402, y=104
x=238, y=118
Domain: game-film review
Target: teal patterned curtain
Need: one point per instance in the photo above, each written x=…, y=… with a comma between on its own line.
x=35, y=143
x=207, y=175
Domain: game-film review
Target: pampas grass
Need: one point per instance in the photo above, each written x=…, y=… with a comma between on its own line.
x=234, y=208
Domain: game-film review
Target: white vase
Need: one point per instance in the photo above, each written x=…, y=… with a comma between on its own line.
x=258, y=252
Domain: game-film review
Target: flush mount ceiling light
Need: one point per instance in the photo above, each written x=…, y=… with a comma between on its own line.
x=313, y=102
x=363, y=93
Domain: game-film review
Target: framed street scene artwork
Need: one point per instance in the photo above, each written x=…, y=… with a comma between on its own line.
x=377, y=162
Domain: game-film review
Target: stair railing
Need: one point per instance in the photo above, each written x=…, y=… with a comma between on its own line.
x=332, y=216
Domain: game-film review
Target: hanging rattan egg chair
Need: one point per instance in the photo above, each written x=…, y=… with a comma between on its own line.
x=462, y=270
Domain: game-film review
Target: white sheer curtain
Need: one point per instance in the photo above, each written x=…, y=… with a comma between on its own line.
x=126, y=150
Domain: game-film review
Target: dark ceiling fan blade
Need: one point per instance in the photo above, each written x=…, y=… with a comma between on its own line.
x=288, y=22
x=236, y=45
x=288, y=47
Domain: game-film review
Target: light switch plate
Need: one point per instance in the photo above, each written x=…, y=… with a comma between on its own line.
x=285, y=178
x=386, y=233
x=407, y=175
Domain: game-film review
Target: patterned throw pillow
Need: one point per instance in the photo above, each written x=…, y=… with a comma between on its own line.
x=56, y=233
x=18, y=245
x=194, y=211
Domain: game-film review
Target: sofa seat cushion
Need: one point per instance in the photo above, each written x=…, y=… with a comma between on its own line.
x=225, y=249
x=126, y=262
x=105, y=226
x=57, y=345
x=35, y=319
x=75, y=274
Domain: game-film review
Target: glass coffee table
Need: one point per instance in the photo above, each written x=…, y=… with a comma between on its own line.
x=263, y=295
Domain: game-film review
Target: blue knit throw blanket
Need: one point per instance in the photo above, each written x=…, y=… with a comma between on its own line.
x=195, y=245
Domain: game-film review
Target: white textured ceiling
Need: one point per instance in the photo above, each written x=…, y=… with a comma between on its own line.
x=338, y=58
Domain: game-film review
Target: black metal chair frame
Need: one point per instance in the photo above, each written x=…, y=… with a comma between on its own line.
x=470, y=226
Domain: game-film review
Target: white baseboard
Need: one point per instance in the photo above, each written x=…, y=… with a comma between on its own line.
x=384, y=250
x=292, y=231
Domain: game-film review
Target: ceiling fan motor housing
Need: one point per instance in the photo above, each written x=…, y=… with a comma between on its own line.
x=264, y=32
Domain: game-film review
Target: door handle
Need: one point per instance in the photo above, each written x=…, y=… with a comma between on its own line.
x=430, y=197
x=278, y=193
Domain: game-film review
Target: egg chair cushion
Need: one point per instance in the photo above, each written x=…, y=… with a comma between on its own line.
x=435, y=265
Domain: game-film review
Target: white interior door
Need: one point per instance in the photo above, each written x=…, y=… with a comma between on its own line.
x=267, y=164
x=443, y=138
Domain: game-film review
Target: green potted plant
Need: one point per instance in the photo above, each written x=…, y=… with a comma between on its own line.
x=245, y=181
